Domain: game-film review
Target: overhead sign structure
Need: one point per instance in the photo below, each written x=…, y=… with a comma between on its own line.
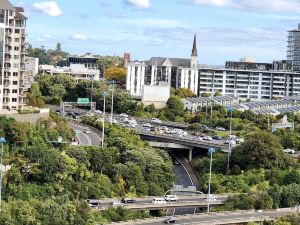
x=83, y=101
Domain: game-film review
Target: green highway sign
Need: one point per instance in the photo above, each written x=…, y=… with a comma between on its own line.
x=83, y=101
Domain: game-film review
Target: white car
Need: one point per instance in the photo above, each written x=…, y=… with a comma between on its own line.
x=86, y=131
x=124, y=115
x=171, y=198
x=131, y=125
x=198, y=139
x=145, y=129
x=220, y=129
x=147, y=125
x=289, y=151
x=98, y=111
x=90, y=114
x=207, y=138
x=155, y=120
x=159, y=201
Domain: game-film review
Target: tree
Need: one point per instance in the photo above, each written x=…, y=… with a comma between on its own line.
x=184, y=93
x=205, y=94
x=217, y=93
x=106, y=62
x=116, y=73
x=260, y=150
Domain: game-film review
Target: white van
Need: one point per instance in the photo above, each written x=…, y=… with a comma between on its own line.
x=158, y=201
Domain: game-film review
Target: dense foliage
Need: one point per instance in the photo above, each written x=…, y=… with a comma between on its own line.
x=48, y=183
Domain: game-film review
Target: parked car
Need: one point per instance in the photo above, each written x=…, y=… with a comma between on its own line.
x=231, y=142
x=207, y=138
x=116, y=203
x=171, y=198
x=204, y=127
x=147, y=125
x=159, y=201
x=131, y=125
x=289, y=151
x=127, y=200
x=90, y=114
x=155, y=120
x=220, y=129
x=170, y=220
x=216, y=137
x=164, y=128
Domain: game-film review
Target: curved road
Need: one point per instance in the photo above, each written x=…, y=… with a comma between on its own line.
x=86, y=139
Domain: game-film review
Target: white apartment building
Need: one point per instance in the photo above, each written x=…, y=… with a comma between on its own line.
x=243, y=80
x=77, y=71
x=12, y=56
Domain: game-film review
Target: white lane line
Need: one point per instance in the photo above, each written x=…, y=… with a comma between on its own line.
x=88, y=139
x=185, y=170
x=91, y=132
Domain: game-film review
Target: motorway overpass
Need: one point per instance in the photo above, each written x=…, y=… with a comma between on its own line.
x=212, y=218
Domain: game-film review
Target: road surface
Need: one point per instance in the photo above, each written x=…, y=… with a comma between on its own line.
x=219, y=218
x=92, y=138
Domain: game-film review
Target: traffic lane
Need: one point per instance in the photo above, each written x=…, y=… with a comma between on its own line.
x=182, y=178
x=90, y=138
x=209, y=218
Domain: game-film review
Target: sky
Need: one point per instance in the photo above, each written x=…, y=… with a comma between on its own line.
x=226, y=29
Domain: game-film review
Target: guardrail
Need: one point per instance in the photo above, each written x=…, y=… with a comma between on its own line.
x=165, y=123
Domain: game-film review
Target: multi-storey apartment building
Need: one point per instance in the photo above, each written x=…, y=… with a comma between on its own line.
x=244, y=80
x=293, y=51
x=12, y=56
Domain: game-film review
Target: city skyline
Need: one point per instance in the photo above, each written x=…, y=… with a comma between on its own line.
x=226, y=29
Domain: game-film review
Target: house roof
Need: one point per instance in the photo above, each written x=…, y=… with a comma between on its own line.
x=4, y=4
x=159, y=61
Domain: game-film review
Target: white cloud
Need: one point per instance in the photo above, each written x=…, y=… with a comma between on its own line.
x=292, y=6
x=51, y=8
x=142, y=4
x=79, y=37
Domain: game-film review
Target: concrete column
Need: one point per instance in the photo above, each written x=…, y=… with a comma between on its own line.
x=190, y=155
x=132, y=80
x=128, y=78
x=138, y=83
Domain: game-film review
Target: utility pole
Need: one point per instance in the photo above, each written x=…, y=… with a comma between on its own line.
x=229, y=144
x=104, y=94
x=2, y=141
x=210, y=151
x=112, y=102
x=92, y=93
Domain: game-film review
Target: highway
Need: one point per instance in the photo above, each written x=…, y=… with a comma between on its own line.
x=219, y=218
x=92, y=138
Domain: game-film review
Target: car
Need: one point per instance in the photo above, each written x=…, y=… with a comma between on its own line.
x=116, y=203
x=98, y=111
x=216, y=137
x=220, y=129
x=229, y=141
x=164, y=128
x=159, y=201
x=127, y=200
x=170, y=220
x=147, y=125
x=204, y=127
x=171, y=198
x=86, y=131
x=93, y=203
x=130, y=125
x=207, y=138
x=112, y=120
x=90, y=114
x=289, y=151
x=124, y=115
x=155, y=120
x=198, y=139
x=145, y=129
x=154, y=129
x=211, y=198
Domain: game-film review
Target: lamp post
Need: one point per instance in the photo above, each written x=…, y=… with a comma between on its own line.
x=229, y=144
x=210, y=151
x=92, y=93
x=2, y=141
x=104, y=94
x=112, y=102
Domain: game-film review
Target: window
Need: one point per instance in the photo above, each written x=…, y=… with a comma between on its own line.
x=15, y=82
x=16, y=65
x=14, y=91
x=16, y=48
x=16, y=57
x=14, y=99
x=17, y=31
x=15, y=74
x=17, y=39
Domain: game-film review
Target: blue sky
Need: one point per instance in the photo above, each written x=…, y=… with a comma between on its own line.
x=226, y=29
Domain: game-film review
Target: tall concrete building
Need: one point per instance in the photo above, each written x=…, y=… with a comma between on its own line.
x=293, y=51
x=12, y=56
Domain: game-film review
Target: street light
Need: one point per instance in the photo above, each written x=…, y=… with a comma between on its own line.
x=229, y=144
x=2, y=141
x=104, y=94
x=210, y=151
x=92, y=78
x=112, y=102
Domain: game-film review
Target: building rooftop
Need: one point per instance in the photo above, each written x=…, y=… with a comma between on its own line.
x=4, y=4
x=159, y=61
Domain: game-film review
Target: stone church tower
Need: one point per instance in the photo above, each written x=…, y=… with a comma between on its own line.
x=194, y=56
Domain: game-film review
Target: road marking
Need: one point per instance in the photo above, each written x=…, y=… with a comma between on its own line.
x=88, y=138
x=85, y=128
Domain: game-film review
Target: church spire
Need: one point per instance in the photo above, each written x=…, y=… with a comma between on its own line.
x=194, y=51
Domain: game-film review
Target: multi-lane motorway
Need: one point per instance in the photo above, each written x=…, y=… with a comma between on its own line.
x=86, y=136
x=219, y=218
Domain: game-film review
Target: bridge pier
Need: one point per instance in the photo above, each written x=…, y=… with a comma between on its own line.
x=190, y=154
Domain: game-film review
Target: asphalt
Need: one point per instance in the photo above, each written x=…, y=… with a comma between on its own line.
x=92, y=138
x=219, y=218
